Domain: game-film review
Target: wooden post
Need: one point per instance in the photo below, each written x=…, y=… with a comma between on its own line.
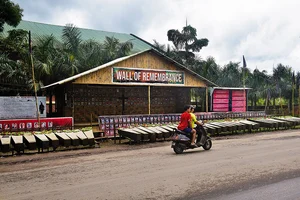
x=73, y=106
x=50, y=104
x=299, y=101
x=293, y=100
x=91, y=120
x=293, y=95
x=34, y=83
x=149, y=101
x=280, y=103
x=206, y=99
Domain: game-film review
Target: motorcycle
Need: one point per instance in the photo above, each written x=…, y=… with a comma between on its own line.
x=182, y=141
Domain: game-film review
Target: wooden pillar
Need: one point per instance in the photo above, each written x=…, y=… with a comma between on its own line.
x=50, y=104
x=149, y=101
x=73, y=106
x=206, y=95
x=293, y=100
x=299, y=101
x=245, y=101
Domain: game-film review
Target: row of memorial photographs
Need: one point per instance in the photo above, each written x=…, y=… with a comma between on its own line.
x=167, y=119
x=109, y=132
x=109, y=129
x=113, y=127
x=23, y=126
x=139, y=119
x=154, y=120
x=171, y=118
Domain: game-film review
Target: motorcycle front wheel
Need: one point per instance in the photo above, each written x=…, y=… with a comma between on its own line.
x=207, y=145
x=178, y=149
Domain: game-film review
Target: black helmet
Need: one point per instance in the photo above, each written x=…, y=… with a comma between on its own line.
x=186, y=107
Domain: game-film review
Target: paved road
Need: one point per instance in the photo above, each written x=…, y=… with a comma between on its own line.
x=235, y=166
x=285, y=189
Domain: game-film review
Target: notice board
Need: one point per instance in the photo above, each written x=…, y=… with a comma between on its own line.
x=17, y=107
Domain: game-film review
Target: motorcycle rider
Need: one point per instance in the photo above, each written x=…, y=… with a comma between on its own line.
x=200, y=128
x=186, y=124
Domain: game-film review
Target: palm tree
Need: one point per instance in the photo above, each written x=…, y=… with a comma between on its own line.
x=114, y=49
x=282, y=76
x=124, y=49
x=231, y=75
x=90, y=55
x=211, y=70
x=13, y=79
x=50, y=61
x=14, y=62
x=53, y=60
x=71, y=38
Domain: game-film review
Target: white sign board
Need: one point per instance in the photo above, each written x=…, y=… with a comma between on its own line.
x=21, y=107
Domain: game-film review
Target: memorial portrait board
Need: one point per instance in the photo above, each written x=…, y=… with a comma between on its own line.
x=22, y=107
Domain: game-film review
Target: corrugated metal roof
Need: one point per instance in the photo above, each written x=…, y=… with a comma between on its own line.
x=40, y=29
x=209, y=83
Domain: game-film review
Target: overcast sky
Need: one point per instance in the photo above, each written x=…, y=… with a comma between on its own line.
x=267, y=32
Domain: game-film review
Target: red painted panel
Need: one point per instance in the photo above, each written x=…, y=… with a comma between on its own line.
x=220, y=100
x=220, y=96
x=220, y=105
x=221, y=91
x=238, y=93
x=217, y=101
x=238, y=101
x=220, y=109
x=238, y=104
x=238, y=98
x=239, y=109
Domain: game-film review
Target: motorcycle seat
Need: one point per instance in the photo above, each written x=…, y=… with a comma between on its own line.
x=182, y=132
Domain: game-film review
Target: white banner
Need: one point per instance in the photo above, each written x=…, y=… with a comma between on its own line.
x=21, y=107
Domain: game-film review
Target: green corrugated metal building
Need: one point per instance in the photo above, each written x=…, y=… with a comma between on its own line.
x=40, y=29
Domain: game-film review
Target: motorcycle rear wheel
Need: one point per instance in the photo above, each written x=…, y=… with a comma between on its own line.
x=178, y=149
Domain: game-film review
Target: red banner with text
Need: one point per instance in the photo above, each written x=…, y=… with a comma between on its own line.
x=13, y=125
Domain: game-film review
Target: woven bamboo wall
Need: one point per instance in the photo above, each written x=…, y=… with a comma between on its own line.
x=93, y=101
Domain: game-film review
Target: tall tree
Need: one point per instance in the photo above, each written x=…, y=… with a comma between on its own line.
x=186, y=42
x=113, y=48
x=14, y=64
x=211, y=70
x=49, y=60
x=53, y=60
x=282, y=77
x=15, y=45
x=261, y=84
x=231, y=75
x=10, y=13
x=91, y=55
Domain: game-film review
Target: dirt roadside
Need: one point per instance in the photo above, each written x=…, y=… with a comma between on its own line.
x=37, y=160
x=152, y=171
